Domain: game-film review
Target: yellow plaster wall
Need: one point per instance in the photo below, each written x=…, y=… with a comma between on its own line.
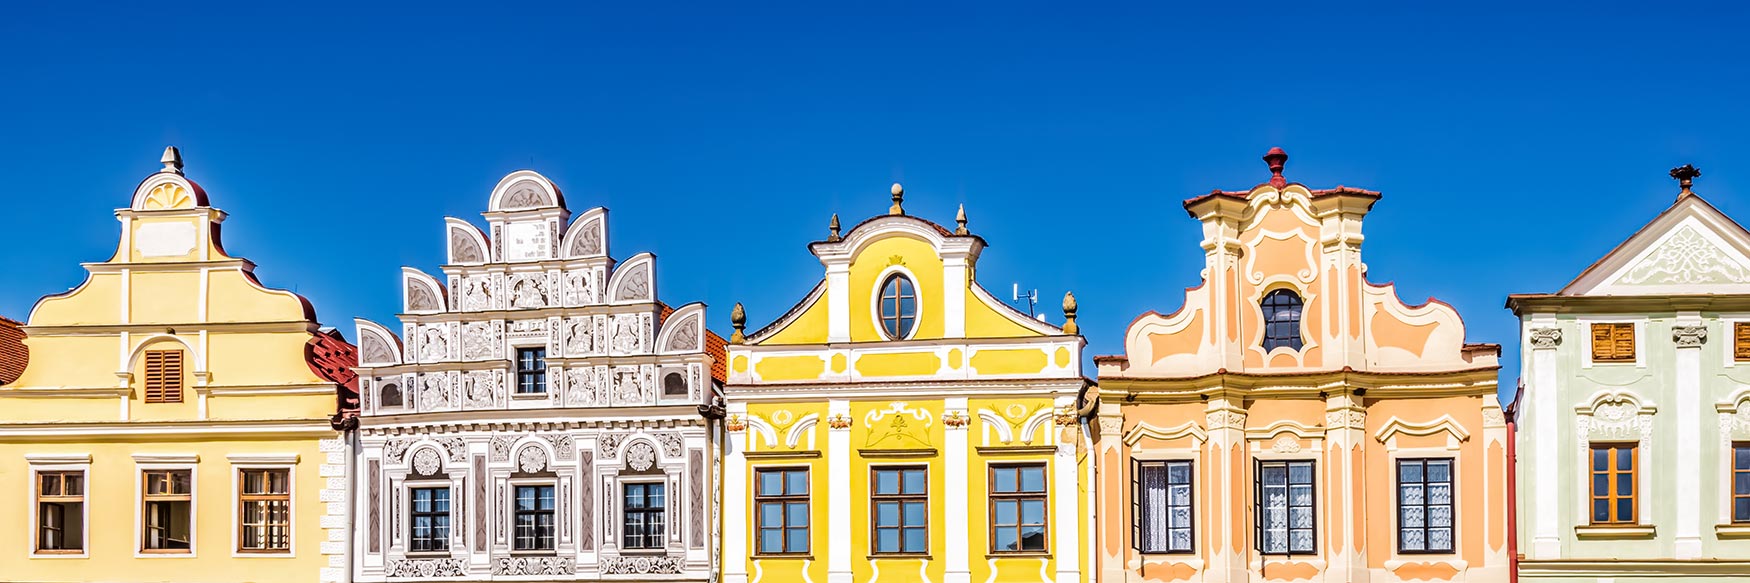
x=808, y=328
x=233, y=298
x=112, y=497
x=92, y=302
x=983, y=321
x=70, y=362
x=163, y=297
x=917, y=256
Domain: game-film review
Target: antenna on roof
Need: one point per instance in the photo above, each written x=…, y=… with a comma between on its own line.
x=1032, y=297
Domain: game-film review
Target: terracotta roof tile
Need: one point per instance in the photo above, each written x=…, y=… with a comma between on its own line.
x=13, y=354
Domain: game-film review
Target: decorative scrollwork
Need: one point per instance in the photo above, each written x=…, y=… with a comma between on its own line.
x=1689, y=336
x=640, y=456
x=635, y=565
x=1546, y=337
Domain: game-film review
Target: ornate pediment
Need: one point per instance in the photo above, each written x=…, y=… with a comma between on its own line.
x=1691, y=248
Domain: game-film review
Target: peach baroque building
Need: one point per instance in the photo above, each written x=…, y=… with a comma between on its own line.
x=1295, y=422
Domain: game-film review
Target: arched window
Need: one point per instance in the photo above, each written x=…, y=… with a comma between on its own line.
x=391, y=396
x=899, y=306
x=1281, y=320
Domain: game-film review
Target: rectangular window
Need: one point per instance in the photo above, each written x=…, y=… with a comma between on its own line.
x=1613, y=342
x=1425, y=505
x=531, y=371
x=167, y=504
x=163, y=376
x=1741, y=483
x=1741, y=341
x=901, y=505
x=1613, y=483
x=534, y=518
x=60, y=512
x=1017, y=509
x=644, y=516
x=1160, y=506
x=781, y=495
x=265, y=507
x=430, y=519
x=1284, y=521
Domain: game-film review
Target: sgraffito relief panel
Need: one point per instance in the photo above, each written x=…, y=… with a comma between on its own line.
x=586, y=493
x=696, y=497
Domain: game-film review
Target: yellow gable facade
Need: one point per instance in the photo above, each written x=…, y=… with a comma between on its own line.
x=900, y=424
x=169, y=425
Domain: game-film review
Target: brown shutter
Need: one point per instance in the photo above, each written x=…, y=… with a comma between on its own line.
x=1613, y=342
x=1741, y=341
x=164, y=376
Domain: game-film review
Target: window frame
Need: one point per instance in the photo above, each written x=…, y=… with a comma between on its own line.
x=1398, y=503
x=902, y=498
x=144, y=501
x=240, y=525
x=1732, y=472
x=1259, y=530
x=154, y=365
x=552, y=515
x=38, y=499
x=539, y=374
x=891, y=275
x=784, y=498
x=1636, y=333
x=1269, y=343
x=662, y=524
x=1139, y=506
x=1611, y=474
x=449, y=513
x=1019, y=496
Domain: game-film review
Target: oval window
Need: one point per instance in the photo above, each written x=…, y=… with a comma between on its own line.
x=899, y=306
x=1281, y=320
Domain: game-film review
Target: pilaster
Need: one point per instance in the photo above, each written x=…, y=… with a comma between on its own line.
x=735, y=496
x=1689, y=334
x=1543, y=337
x=957, y=564
x=1225, y=420
x=838, y=498
x=1345, y=428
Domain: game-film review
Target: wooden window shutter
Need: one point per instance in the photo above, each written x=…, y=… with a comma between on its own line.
x=164, y=376
x=1136, y=504
x=1741, y=341
x=1613, y=342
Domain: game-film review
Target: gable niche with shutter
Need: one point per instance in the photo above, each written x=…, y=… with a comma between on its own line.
x=163, y=376
x=1613, y=342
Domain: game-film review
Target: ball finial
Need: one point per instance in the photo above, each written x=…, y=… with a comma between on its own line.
x=1276, y=158
x=898, y=199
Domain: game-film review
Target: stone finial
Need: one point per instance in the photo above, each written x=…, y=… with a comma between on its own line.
x=1685, y=175
x=833, y=225
x=1276, y=158
x=738, y=319
x=960, y=222
x=1069, y=314
x=898, y=197
x=172, y=160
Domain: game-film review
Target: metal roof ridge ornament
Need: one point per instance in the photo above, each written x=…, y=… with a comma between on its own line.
x=1685, y=175
x=1276, y=158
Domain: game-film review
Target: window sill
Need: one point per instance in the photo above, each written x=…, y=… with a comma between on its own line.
x=1166, y=553
x=1734, y=530
x=528, y=396
x=428, y=555
x=643, y=552
x=1019, y=555
x=59, y=554
x=534, y=553
x=1614, y=531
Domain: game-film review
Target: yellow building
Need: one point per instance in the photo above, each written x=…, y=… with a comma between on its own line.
x=900, y=424
x=174, y=421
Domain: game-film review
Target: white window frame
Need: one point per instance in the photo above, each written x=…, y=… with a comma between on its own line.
x=287, y=462
x=624, y=480
x=1729, y=337
x=407, y=488
x=160, y=462
x=515, y=379
x=917, y=302
x=59, y=463
x=510, y=515
x=1586, y=323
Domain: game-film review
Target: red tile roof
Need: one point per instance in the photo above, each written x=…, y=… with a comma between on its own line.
x=13, y=354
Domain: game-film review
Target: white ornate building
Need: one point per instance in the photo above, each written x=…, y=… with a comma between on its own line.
x=539, y=416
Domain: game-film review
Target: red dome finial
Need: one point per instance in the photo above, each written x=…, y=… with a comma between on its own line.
x=1276, y=158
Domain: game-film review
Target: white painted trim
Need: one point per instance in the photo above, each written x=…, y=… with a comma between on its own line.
x=269, y=459
x=917, y=320
x=1300, y=430
x=237, y=509
x=57, y=459
x=166, y=458
x=63, y=463
x=1586, y=323
x=315, y=426
x=1444, y=423
x=1144, y=429
x=140, y=469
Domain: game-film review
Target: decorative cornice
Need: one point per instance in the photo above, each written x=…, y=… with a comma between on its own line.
x=1542, y=338
x=166, y=458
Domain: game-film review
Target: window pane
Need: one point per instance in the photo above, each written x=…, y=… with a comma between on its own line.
x=1032, y=512
x=1440, y=516
x=1005, y=512
x=771, y=514
x=1003, y=479
x=796, y=482
x=1410, y=471
x=916, y=513
x=1600, y=484
x=797, y=540
x=798, y=514
x=1600, y=459
x=916, y=482
x=771, y=483
x=916, y=540
x=1741, y=510
x=771, y=540
x=1439, y=471
x=1275, y=475
x=887, y=514
x=886, y=482
x=1741, y=483
x=1741, y=458
x=1625, y=485
x=1033, y=538
x=887, y=540
x=1625, y=458
x=1179, y=473
x=1300, y=473
x=1625, y=510
x=1005, y=539
x=1600, y=510
x=1033, y=479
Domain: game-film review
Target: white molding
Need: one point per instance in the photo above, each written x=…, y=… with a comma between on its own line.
x=57, y=459
x=1586, y=323
x=1144, y=429
x=1444, y=423
x=1300, y=430
x=282, y=459
x=59, y=430
x=166, y=458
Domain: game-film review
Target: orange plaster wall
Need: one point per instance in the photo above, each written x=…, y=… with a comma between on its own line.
x=1388, y=330
x=1381, y=480
x=1262, y=413
x=1186, y=341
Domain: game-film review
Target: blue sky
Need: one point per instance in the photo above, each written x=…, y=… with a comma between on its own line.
x=1514, y=145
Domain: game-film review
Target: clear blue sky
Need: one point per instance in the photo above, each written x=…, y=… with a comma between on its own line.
x=1514, y=145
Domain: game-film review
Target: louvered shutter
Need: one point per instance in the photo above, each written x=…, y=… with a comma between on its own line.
x=173, y=376
x=1257, y=507
x=1613, y=342
x=1741, y=341
x=163, y=376
x=1136, y=505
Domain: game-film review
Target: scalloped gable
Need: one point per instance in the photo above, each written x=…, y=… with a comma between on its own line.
x=1284, y=236
x=1689, y=248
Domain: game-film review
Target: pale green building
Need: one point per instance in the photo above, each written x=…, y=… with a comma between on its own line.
x=1633, y=420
